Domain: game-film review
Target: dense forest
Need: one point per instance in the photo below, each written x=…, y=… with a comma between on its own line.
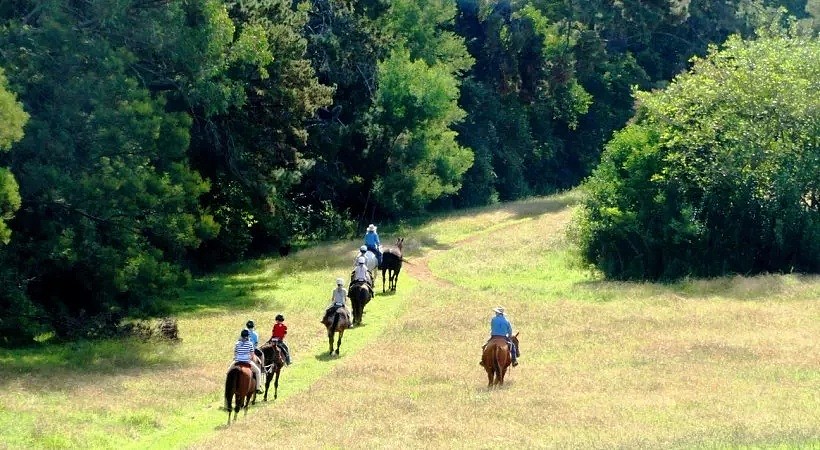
x=141, y=140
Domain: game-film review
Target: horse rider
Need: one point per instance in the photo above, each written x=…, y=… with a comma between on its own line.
x=280, y=330
x=337, y=300
x=500, y=326
x=372, y=242
x=361, y=274
x=362, y=254
x=252, y=334
x=243, y=354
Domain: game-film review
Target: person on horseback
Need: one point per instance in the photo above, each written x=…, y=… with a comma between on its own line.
x=362, y=253
x=243, y=354
x=253, y=337
x=500, y=326
x=278, y=334
x=361, y=274
x=337, y=300
x=372, y=242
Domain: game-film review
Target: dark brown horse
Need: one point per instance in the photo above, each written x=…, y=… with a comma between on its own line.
x=359, y=294
x=273, y=362
x=496, y=359
x=336, y=323
x=239, y=385
x=391, y=265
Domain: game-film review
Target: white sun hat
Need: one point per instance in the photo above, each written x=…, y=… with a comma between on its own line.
x=498, y=310
x=371, y=227
x=339, y=282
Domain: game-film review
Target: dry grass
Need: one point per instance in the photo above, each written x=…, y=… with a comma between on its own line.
x=722, y=363
x=705, y=363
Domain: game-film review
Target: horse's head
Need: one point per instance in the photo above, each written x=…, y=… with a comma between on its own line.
x=272, y=352
x=514, y=339
x=400, y=243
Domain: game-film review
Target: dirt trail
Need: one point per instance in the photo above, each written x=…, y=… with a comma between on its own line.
x=419, y=267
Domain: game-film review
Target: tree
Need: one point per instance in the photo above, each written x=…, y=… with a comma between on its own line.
x=414, y=109
x=109, y=202
x=12, y=120
x=718, y=172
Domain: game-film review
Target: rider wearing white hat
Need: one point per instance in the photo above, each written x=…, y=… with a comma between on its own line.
x=337, y=299
x=372, y=242
x=501, y=326
x=360, y=272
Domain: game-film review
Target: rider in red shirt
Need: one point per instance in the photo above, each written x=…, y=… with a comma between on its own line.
x=280, y=330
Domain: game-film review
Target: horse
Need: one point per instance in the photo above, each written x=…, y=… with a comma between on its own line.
x=272, y=354
x=496, y=359
x=391, y=265
x=371, y=262
x=359, y=294
x=337, y=323
x=240, y=385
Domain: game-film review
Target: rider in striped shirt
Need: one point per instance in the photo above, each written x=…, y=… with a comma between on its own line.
x=243, y=353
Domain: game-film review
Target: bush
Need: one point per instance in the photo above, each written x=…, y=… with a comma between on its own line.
x=718, y=173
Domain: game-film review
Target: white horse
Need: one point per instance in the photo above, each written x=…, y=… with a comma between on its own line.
x=370, y=261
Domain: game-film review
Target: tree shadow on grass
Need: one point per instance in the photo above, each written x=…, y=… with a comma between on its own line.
x=526, y=209
x=86, y=360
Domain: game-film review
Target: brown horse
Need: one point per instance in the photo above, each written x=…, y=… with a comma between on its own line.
x=337, y=323
x=240, y=386
x=359, y=294
x=496, y=359
x=274, y=360
x=391, y=265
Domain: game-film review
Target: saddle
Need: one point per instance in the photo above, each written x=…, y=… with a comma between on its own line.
x=359, y=284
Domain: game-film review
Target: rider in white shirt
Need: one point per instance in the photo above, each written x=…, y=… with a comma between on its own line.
x=360, y=272
x=338, y=299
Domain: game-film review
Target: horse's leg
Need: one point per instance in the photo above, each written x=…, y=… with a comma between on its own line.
x=267, y=385
x=276, y=385
x=384, y=272
x=330, y=341
x=396, y=282
x=339, y=342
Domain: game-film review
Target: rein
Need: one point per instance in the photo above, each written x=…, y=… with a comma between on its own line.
x=270, y=367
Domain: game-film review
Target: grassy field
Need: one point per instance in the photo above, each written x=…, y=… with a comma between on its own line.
x=725, y=363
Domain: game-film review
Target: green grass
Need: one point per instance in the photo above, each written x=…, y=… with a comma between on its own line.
x=724, y=363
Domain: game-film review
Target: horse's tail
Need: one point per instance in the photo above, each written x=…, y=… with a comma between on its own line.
x=230, y=386
x=336, y=316
x=497, y=361
x=364, y=295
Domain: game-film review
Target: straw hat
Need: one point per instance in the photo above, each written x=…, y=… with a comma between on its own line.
x=371, y=227
x=498, y=310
